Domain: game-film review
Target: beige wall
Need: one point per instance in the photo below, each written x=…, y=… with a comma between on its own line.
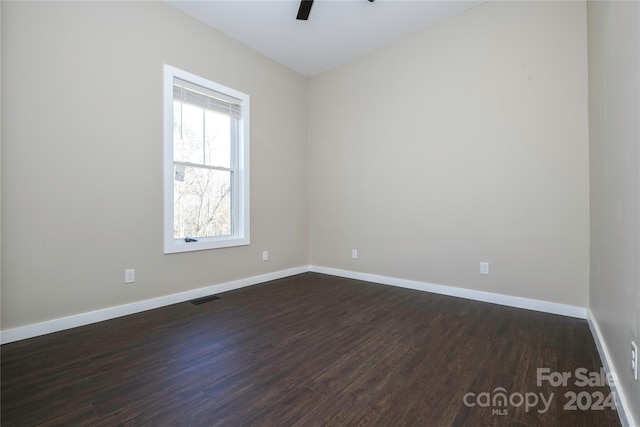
x=466, y=142
x=82, y=156
x=614, y=132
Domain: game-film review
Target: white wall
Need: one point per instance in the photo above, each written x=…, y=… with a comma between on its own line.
x=82, y=156
x=614, y=132
x=466, y=142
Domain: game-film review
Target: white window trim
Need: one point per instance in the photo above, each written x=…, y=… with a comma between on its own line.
x=240, y=236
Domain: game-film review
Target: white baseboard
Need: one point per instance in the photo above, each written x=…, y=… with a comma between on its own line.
x=55, y=325
x=511, y=301
x=622, y=404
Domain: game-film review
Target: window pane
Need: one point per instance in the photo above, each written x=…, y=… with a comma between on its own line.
x=188, y=145
x=202, y=202
x=217, y=139
x=177, y=124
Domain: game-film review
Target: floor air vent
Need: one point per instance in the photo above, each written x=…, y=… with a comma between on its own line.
x=204, y=299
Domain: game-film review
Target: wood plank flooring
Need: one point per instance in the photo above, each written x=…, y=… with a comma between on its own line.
x=307, y=350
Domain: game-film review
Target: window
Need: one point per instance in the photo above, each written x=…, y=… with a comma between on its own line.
x=206, y=164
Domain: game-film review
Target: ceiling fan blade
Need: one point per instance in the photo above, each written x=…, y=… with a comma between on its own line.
x=305, y=8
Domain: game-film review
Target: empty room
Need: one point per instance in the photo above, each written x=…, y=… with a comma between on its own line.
x=301, y=213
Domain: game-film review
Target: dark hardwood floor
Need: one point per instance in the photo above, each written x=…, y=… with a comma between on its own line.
x=304, y=351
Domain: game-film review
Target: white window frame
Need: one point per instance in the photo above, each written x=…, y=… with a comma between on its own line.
x=240, y=186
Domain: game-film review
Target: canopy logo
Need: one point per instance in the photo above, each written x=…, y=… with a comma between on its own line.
x=500, y=401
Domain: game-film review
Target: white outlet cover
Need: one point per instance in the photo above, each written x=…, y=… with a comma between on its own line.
x=484, y=268
x=130, y=275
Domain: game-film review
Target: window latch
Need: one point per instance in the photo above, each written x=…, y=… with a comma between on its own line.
x=190, y=239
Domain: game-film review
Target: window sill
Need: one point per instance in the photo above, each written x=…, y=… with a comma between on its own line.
x=179, y=245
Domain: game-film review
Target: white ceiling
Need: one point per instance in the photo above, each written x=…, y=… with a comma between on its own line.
x=336, y=32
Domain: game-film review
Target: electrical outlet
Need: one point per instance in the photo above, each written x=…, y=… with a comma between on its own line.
x=484, y=268
x=354, y=253
x=634, y=360
x=130, y=275
x=265, y=255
